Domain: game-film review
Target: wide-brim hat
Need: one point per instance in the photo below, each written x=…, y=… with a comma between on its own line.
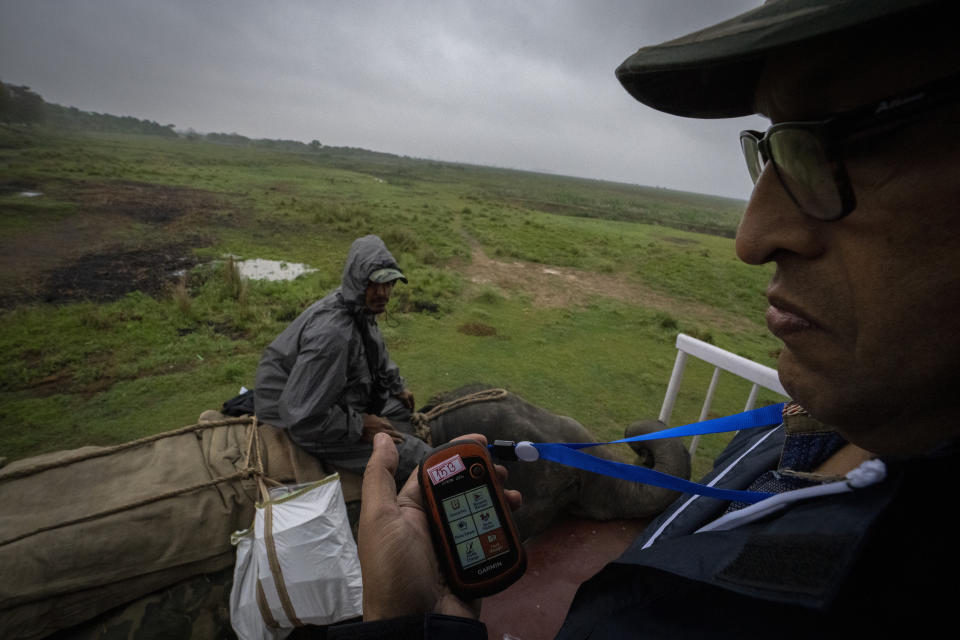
x=713, y=73
x=387, y=275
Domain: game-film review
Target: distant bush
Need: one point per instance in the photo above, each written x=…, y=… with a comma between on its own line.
x=228, y=138
x=73, y=118
x=665, y=320
x=20, y=105
x=23, y=106
x=488, y=295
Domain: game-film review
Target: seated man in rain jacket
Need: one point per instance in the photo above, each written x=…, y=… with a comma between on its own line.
x=328, y=379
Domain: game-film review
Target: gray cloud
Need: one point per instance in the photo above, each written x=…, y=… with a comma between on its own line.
x=527, y=85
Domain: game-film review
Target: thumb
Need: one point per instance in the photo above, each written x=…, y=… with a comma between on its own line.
x=379, y=485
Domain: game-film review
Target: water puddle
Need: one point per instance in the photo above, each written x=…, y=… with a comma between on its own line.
x=274, y=270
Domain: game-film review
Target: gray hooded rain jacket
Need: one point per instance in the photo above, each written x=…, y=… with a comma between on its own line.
x=315, y=380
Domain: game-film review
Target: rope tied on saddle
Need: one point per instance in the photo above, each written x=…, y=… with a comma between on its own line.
x=421, y=421
x=252, y=465
x=252, y=468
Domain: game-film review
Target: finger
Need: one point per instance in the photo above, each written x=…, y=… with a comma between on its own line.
x=502, y=472
x=410, y=492
x=379, y=486
x=514, y=498
x=393, y=433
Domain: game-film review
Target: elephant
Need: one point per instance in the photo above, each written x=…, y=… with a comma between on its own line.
x=550, y=489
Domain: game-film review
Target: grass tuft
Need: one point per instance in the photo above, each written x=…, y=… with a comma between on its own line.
x=488, y=296
x=181, y=297
x=475, y=328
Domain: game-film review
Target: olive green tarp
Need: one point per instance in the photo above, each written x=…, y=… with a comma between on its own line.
x=66, y=556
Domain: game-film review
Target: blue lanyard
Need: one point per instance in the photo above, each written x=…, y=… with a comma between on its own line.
x=568, y=453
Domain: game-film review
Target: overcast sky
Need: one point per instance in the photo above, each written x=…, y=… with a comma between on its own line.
x=524, y=84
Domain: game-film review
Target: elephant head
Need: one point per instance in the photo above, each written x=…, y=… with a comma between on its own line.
x=637, y=500
x=667, y=455
x=551, y=489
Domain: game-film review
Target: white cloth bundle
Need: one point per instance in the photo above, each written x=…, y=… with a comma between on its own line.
x=297, y=565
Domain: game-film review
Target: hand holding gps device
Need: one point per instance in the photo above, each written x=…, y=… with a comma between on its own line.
x=470, y=520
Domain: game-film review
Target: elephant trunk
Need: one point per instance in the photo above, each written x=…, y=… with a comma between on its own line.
x=606, y=497
x=667, y=455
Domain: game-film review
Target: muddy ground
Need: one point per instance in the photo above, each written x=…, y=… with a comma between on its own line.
x=129, y=236
x=122, y=237
x=110, y=275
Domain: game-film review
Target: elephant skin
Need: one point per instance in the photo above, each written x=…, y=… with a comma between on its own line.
x=550, y=489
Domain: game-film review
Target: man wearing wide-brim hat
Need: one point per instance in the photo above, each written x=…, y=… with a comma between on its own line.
x=857, y=189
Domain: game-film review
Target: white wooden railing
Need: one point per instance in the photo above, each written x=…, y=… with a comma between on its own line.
x=758, y=374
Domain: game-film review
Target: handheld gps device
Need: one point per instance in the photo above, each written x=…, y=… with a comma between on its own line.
x=471, y=524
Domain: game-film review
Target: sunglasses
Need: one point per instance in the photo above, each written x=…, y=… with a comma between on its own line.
x=808, y=156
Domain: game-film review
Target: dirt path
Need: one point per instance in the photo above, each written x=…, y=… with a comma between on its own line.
x=554, y=287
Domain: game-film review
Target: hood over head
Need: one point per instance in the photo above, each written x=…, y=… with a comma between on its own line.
x=367, y=255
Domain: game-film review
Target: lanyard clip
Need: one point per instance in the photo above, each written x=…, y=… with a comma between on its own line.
x=504, y=450
x=508, y=451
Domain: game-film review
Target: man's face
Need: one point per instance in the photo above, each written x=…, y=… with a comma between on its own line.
x=867, y=307
x=378, y=295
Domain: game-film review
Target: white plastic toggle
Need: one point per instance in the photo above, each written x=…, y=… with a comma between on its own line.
x=526, y=451
x=868, y=473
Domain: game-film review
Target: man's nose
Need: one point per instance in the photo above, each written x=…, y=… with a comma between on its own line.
x=773, y=222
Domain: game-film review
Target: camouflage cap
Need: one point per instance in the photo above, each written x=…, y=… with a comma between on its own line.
x=387, y=275
x=712, y=73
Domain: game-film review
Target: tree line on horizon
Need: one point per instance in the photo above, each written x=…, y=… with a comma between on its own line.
x=19, y=105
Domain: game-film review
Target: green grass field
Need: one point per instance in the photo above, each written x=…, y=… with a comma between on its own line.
x=569, y=292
